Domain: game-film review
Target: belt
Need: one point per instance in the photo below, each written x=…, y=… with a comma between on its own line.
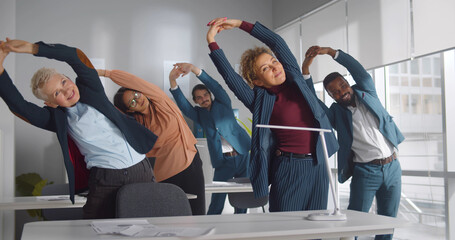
x=289, y=154
x=384, y=161
x=230, y=154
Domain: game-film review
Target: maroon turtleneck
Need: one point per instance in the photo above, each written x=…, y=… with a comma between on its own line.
x=292, y=109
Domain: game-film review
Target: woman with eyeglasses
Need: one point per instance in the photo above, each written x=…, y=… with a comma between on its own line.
x=177, y=160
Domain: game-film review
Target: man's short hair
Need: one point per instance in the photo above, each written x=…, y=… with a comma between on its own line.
x=199, y=87
x=39, y=79
x=329, y=78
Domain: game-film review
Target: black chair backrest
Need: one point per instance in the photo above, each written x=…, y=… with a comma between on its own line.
x=151, y=200
x=246, y=199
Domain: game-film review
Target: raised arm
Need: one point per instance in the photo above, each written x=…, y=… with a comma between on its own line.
x=183, y=103
x=310, y=54
x=20, y=46
x=131, y=81
x=78, y=61
x=328, y=51
x=263, y=34
x=358, y=72
x=219, y=24
x=3, y=54
x=180, y=70
x=25, y=110
x=234, y=81
x=217, y=90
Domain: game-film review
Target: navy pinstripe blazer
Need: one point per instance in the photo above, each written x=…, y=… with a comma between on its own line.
x=260, y=103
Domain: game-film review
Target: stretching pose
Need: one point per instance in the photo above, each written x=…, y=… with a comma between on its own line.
x=228, y=143
x=112, y=144
x=291, y=161
x=177, y=160
x=367, y=136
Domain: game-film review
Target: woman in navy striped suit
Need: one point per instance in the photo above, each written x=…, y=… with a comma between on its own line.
x=277, y=93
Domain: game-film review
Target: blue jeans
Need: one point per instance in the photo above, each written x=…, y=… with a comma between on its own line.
x=233, y=167
x=384, y=182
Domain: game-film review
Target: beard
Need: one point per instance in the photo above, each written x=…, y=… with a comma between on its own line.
x=347, y=102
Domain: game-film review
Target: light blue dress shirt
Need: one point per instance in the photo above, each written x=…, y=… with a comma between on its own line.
x=99, y=140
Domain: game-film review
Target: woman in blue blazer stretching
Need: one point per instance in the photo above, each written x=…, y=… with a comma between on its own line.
x=290, y=161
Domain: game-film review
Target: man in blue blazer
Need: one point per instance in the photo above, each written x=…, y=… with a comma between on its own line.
x=368, y=139
x=228, y=143
x=112, y=145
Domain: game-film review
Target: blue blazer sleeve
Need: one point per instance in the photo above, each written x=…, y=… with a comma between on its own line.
x=38, y=116
x=184, y=104
x=79, y=62
x=217, y=90
x=234, y=81
x=358, y=72
x=327, y=111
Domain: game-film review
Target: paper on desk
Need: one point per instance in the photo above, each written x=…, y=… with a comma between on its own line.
x=116, y=226
x=141, y=228
x=57, y=198
x=155, y=231
x=53, y=198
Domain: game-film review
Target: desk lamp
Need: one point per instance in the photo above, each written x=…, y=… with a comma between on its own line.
x=336, y=215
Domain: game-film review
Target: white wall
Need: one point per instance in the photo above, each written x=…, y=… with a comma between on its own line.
x=7, y=28
x=132, y=35
x=135, y=36
x=285, y=11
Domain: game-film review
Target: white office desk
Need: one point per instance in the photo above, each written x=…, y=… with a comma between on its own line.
x=21, y=203
x=228, y=187
x=282, y=225
x=58, y=201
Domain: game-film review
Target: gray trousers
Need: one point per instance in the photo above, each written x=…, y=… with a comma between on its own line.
x=104, y=183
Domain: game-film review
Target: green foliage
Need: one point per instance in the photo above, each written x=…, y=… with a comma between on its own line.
x=31, y=184
x=25, y=183
x=248, y=130
x=39, y=187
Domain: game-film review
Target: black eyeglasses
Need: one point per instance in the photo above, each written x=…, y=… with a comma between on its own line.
x=133, y=102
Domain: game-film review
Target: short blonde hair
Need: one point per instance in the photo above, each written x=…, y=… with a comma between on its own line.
x=247, y=61
x=39, y=79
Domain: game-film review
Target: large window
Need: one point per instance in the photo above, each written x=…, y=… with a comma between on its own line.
x=415, y=94
x=415, y=84
x=413, y=91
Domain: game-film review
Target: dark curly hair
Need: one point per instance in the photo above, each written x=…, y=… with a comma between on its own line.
x=247, y=62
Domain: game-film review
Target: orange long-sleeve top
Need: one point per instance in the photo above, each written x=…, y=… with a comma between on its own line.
x=175, y=148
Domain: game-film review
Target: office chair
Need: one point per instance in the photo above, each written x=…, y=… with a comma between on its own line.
x=151, y=200
x=246, y=199
x=61, y=213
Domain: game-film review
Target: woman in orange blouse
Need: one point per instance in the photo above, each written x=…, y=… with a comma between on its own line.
x=177, y=160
